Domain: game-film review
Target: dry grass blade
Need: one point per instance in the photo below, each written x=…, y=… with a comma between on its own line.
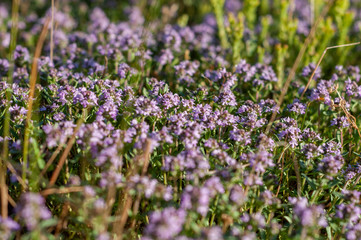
x=50, y=191
x=298, y=61
x=33, y=78
x=69, y=145
x=320, y=60
x=62, y=220
x=51, y=160
x=122, y=212
x=13, y=171
x=351, y=119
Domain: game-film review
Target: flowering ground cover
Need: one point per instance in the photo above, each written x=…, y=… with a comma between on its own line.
x=178, y=119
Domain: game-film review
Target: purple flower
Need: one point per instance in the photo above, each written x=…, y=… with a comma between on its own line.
x=165, y=224
x=297, y=107
x=311, y=150
x=32, y=210
x=146, y=107
x=259, y=161
x=7, y=227
x=340, y=122
x=289, y=131
x=331, y=165
x=196, y=198
x=308, y=70
x=21, y=55
x=237, y=195
x=166, y=57
x=4, y=67
x=240, y=135
x=185, y=70
x=308, y=215
x=124, y=71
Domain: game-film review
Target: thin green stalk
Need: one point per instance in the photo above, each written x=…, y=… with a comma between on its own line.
x=218, y=11
x=5, y=153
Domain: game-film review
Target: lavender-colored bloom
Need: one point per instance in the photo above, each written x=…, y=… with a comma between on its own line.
x=353, y=232
x=331, y=165
x=297, y=107
x=251, y=115
x=21, y=55
x=311, y=150
x=308, y=215
x=259, y=161
x=351, y=171
x=351, y=88
x=103, y=236
x=99, y=21
x=310, y=136
x=289, y=131
x=352, y=196
x=165, y=224
x=124, y=70
x=196, y=198
x=212, y=233
x=146, y=107
x=226, y=98
x=237, y=195
x=240, y=135
x=331, y=148
x=192, y=161
x=268, y=105
x=348, y=212
x=322, y=91
x=223, y=157
x=58, y=133
x=253, y=220
x=166, y=57
x=265, y=143
x=168, y=100
x=4, y=67
x=171, y=38
x=354, y=72
x=258, y=74
x=308, y=70
x=32, y=210
x=185, y=70
x=7, y=227
x=340, y=122
x=232, y=5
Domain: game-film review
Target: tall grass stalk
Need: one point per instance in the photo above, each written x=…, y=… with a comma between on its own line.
x=52, y=31
x=218, y=11
x=33, y=79
x=5, y=153
x=320, y=60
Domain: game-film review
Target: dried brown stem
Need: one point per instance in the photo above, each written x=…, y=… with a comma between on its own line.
x=320, y=60
x=13, y=171
x=282, y=167
x=50, y=191
x=33, y=78
x=62, y=221
x=51, y=160
x=118, y=226
x=66, y=152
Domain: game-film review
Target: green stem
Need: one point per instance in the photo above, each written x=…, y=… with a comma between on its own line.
x=218, y=11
